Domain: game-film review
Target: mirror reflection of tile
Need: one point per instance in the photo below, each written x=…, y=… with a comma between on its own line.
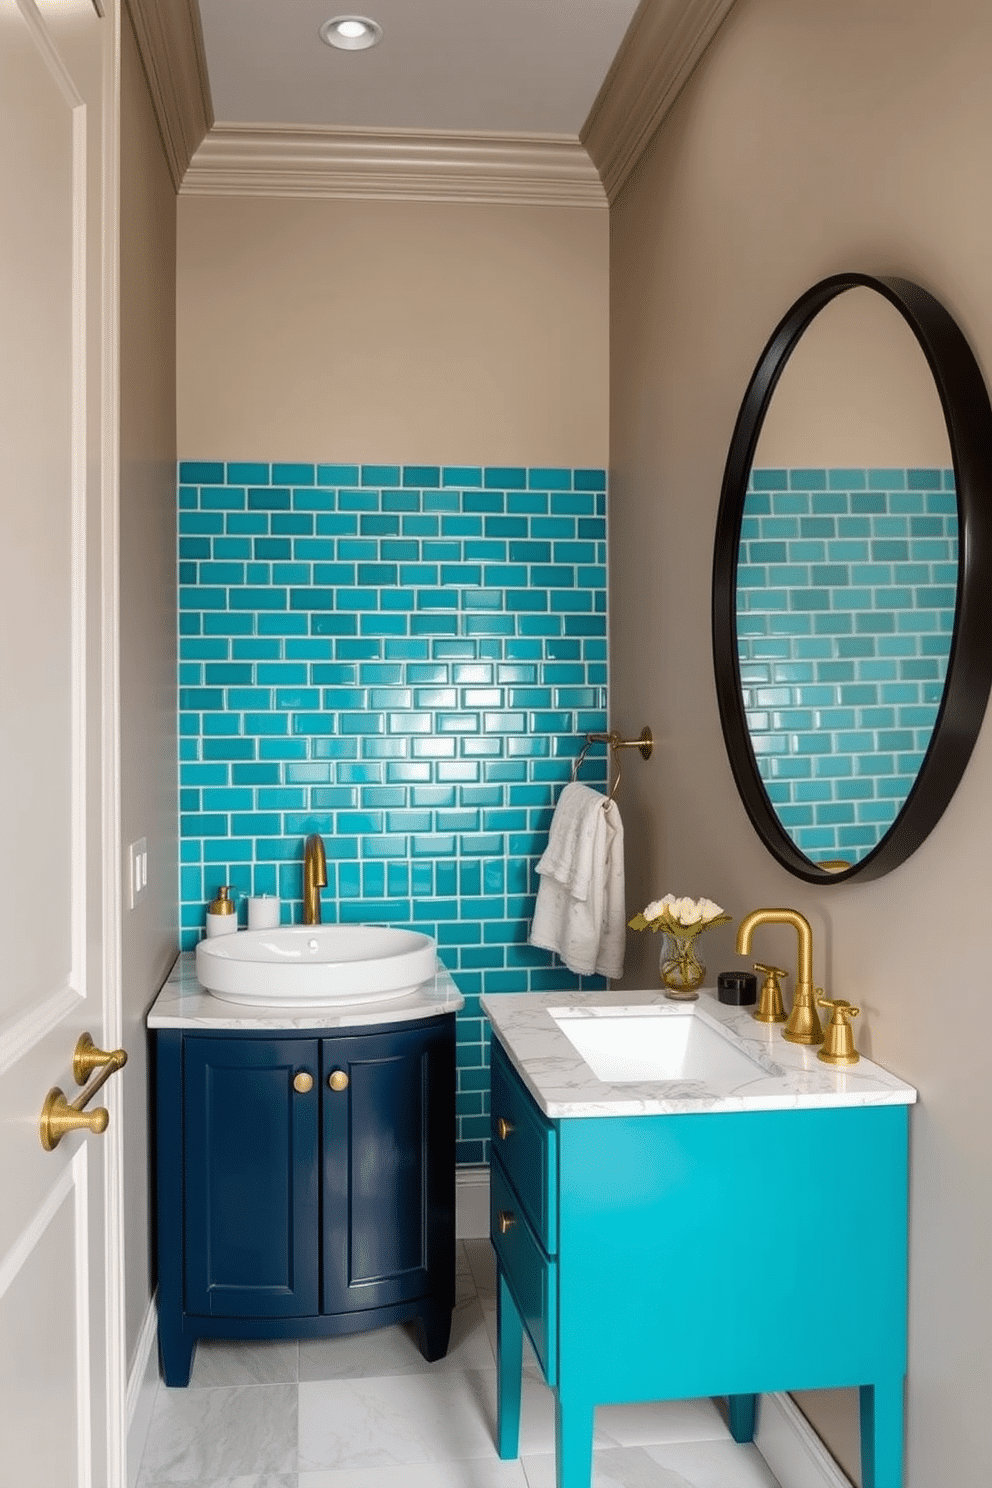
x=845, y=610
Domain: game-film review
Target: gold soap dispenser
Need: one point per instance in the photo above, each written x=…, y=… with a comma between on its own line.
x=222, y=916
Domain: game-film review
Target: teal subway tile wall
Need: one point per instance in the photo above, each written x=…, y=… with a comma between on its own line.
x=405, y=659
x=846, y=599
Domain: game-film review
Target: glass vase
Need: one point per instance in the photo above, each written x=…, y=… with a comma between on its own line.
x=682, y=971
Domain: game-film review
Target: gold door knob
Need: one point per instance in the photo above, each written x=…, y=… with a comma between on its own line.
x=58, y=1117
x=338, y=1080
x=86, y=1058
x=505, y=1220
x=302, y=1082
x=503, y=1128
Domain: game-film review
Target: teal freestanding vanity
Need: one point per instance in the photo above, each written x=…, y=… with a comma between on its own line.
x=725, y=1231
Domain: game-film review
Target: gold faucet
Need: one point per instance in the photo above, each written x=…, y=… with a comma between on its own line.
x=803, y=1025
x=314, y=877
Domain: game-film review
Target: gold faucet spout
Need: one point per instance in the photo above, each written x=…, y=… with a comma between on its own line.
x=314, y=877
x=803, y=1025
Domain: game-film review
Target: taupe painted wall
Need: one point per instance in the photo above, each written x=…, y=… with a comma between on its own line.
x=812, y=138
x=148, y=630
x=397, y=331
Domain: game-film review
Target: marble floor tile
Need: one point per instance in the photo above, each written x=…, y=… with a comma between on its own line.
x=394, y=1350
x=615, y=1467
x=208, y=1434
x=482, y=1262
x=651, y=1421
x=400, y=1419
x=474, y=1472
x=251, y=1480
x=244, y=1361
x=715, y=1464
x=531, y=1365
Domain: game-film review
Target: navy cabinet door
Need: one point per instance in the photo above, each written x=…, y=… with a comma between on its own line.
x=388, y=1166
x=251, y=1177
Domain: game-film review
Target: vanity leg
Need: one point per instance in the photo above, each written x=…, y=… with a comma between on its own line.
x=509, y=1370
x=433, y=1328
x=742, y=1416
x=573, y=1442
x=175, y=1353
x=882, y=1433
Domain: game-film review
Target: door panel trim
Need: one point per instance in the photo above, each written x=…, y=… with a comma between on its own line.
x=71, y=1186
x=23, y=1031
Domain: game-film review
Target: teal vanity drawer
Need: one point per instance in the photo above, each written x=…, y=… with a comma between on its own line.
x=530, y=1275
x=527, y=1146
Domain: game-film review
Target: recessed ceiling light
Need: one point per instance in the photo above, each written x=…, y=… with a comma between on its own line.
x=351, y=33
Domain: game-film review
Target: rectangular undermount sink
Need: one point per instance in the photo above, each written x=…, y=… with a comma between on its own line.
x=659, y=1044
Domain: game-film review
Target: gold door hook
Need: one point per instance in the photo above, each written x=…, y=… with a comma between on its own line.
x=87, y=1057
x=58, y=1117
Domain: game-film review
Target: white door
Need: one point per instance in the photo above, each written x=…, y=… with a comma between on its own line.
x=61, y=1392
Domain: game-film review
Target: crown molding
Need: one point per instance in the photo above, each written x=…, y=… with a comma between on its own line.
x=170, y=43
x=663, y=43
x=393, y=165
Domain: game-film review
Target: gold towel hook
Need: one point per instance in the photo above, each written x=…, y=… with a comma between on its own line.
x=644, y=742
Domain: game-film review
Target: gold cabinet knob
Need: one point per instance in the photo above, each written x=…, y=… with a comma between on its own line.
x=338, y=1080
x=58, y=1117
x=302, y=1082
x=505, y=1220
x=503, y=1128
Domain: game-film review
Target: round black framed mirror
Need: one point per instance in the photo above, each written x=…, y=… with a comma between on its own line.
x=833, y=702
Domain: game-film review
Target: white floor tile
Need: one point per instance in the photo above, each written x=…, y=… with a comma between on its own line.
x=237, y=1361
x=716, y=1464
x=614, y=1467
x=403, y=1418
x=207, y=1434
x=721, y=1464
x=252, y=1480
x=474, y=1473
x=394, y=1350
x=652, y=1421
x=482, y=1260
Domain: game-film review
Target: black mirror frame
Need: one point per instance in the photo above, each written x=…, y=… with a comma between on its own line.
x=968, y=415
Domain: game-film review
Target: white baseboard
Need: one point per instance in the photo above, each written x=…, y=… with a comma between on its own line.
x=142, y=1385
x=791, y=1447
x=472, y=1202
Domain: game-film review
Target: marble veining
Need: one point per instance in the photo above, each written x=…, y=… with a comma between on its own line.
x=790, y=1077
x=183, y=1003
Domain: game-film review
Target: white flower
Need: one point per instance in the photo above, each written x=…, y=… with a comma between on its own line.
x=709, y=910
x=655, y=909
x=687, y=912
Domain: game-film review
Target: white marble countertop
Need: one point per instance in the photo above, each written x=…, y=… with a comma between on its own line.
x=183, y=1003
x=789, y=1077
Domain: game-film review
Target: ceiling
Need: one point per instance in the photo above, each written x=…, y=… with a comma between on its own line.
x=531, y=67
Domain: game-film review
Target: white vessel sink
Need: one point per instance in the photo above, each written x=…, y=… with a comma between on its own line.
x=656, y=1044
x=315, y=965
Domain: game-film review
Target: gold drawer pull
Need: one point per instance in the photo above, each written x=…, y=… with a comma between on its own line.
x=503, y=1128
x=338, y=1080
x=505, y=1220
x=302, y=1082
x=58, y=1117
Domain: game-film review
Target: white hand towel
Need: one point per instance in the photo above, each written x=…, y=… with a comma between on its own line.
x=579, y=912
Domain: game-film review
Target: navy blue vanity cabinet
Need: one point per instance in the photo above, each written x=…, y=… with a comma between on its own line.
x=305, y=1184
